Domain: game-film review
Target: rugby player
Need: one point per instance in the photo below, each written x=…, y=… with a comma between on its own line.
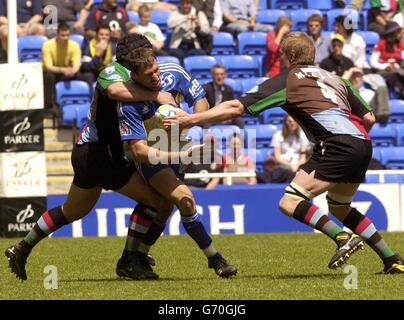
x=337, y=120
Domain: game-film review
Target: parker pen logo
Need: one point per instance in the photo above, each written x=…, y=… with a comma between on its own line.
x=22, y=170
x=25, y=214
x=21, y=135
x=20, y=224
x=19, y=83
x=21, y=126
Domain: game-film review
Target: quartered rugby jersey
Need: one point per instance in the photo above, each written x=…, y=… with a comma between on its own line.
x=323, y=104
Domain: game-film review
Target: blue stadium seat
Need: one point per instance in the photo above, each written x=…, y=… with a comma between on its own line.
x=257, y=156
x=78, y=38
x=377, y=153
x=252, y=43
x=236, y=85
x=300, y=16
x=168, y=59
x=223, y=44
x=133, y=16
x=204, y=81
x=160, y=18
x=240, y=66
x=353, y=15
x=223, y=133
x=30, y=47
x=250, y=83
x=394, y=178
x=371, y=38
x=323, y=5
x=269, y=16
x=396, y=111
x=196, y=134
x=259, y=136
x=262, y=5
x=250, y=120
x=288, y=4
x=72, y=92
x=372, y=178
x=75, y=114
x=399, y=133
x=382, y=135
x=273, y=116
x=393, y=158
x=199, y=66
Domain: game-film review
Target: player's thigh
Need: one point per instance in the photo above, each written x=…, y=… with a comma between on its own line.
x=171, y=187
x=309, y=183
x=80, y=201
x=137, y=189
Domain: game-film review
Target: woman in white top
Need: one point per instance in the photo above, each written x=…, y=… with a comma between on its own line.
x=290, y=145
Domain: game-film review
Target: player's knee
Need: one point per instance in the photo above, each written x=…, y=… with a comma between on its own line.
x=287, y=205
x=293, y=195
x=338, y=202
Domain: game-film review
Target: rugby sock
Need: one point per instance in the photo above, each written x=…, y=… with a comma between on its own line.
x=155, y=230
x=194, y=227
x=314, y=217
x=363, y=226
x=49, y=222
x=139, y=224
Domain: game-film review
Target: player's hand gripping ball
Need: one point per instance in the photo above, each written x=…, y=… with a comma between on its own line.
x=164, y=111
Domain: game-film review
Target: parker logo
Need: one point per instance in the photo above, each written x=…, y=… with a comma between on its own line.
x=21, y=88
x=25, y=214
x=19, y=83
x=21, y=126
x=22, y=169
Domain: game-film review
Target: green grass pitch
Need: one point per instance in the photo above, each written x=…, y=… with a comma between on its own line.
x=271, y=266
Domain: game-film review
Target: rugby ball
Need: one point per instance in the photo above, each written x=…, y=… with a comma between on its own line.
x=164, y=111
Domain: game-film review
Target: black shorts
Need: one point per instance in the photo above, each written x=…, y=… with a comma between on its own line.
x=341, y=158
x=94, y=167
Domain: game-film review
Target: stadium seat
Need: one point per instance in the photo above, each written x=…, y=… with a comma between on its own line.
x=323, y=5
x=199, y=66
x=399, y=133
x=376, y=154
x=259, y=136
x=262, y=5
x=270, y=16
x=393, y=158
x=371, y=38
x=223, y=44
x=372, y=178
x=78, y=38
x=72, y=92
x=133, y=16
x=30, y=47
x=382, y=135
x=75, y=114
x=223, y=133
x=300, y=16
x=240, y=66
x=252, y=43
x=196, y=134
x=273, y=116
x=257, y=156
x=168, y=59
x=288, y=4
x=160, y=18
x=393, y=178
x=352, y=14
x=250, y=120
x=396, y=111
x=236, y=85
x=250, y=83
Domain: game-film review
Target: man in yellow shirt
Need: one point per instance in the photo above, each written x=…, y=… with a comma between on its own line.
x=61, y=59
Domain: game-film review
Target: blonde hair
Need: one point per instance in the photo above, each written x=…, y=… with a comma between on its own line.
x=285, y=131
x=283, y=20
x=143, y=9
x=298, y=48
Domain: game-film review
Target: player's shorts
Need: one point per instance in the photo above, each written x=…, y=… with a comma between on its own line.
x=94, y=167
x=341, y=158
x=147, y=171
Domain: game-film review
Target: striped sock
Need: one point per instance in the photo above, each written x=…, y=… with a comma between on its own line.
x=314, y=217
x=194, y=227
x=155, y=230
x=363, y=226
x=49, y=222
x=139, y=224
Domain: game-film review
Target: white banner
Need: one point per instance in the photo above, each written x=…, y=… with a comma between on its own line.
x=21, y=86
x=23, y=174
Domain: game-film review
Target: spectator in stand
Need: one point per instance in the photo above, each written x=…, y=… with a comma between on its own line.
x=134, y=5
x=240, y=16
x=29, y=18
x=188, y=26
x=378, y=15
x=273, y=60
x=399, y=16
x=131, y=27
x=236, y=161
x=67, y=12
x=107, y=13
x=96, y=55
x=321, y=42
x=61, y=61
x=355, y=49
x=290, y=145
x=151, y=30
x=217, y=92
x=336, y=62
x=354, y=4
x=388, y=57
x=213, y=12
x=215, y=165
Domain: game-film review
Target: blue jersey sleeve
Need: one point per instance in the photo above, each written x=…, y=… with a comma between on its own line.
x=131, y=122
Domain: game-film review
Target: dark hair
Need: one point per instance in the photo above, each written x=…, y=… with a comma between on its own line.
x=102, y=26
x=62, y=26
x=341, y=20
x=140, y=58
x=127, y=44
x=217, y=66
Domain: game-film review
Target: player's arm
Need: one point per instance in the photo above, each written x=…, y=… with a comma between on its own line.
x=359, y=107
x=201, y=105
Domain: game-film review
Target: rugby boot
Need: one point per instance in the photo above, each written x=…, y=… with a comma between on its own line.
x=347, y=244
x=222, y=268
